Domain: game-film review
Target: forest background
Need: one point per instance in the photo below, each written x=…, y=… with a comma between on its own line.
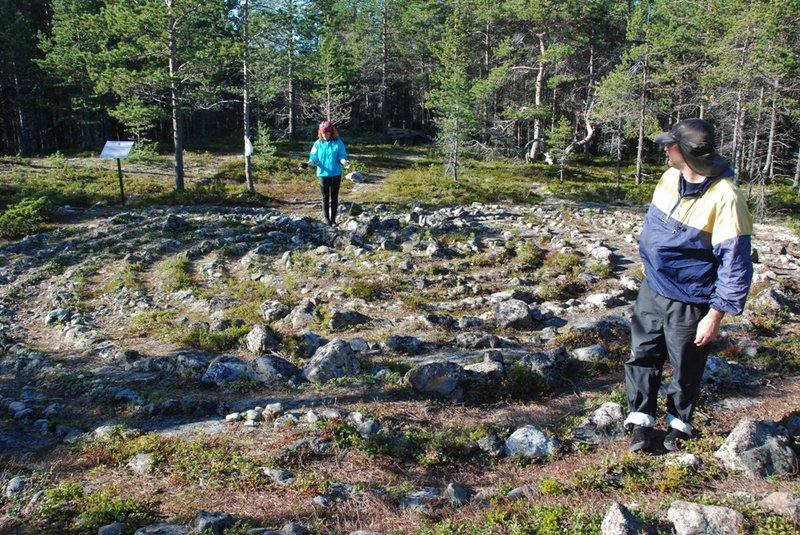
x=516, y=78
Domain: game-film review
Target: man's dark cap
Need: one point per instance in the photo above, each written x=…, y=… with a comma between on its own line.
x=695, y=139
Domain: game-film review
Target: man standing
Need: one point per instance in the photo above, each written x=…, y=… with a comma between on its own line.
x=695, y=246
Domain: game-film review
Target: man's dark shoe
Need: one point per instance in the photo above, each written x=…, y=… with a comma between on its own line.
x=640, y=438
x=674, y=439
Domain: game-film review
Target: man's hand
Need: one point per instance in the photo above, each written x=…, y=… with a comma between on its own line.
x=708, y=328
x=345, y=163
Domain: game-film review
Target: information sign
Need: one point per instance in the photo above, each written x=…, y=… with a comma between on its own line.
x=116, y=149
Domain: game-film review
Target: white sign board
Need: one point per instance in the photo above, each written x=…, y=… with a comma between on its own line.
x=116, y=149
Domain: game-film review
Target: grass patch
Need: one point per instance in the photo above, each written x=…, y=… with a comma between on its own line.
x=430, y=187
x=216, y=462
x=176, y=274
x=202, y=338
x=126, y=277
x=68, y=508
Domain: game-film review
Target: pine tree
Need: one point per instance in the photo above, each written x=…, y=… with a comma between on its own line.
x=452, y=102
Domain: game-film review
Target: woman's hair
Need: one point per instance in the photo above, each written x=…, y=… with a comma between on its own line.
x=327, y=126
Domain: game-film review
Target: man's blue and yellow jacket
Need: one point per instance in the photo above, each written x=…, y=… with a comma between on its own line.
x=696, y=246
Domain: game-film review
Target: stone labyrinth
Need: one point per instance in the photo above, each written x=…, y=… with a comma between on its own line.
x=496, y=322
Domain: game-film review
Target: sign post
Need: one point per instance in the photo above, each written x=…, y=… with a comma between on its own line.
x=118, y=150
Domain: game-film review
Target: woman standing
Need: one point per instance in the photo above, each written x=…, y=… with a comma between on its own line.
x=329, y=155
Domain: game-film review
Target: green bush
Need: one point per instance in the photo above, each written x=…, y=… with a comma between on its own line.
x=25, y=217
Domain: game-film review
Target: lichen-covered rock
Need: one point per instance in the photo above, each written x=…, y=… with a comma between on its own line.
x=604, y=425
x=758, y=448
x=620, y=521
x=695, y=519
x=513, y=314
x=261, y=338
x=530, y=441
x=335, y=359
x=224, y=370
x=439, y=379
x=271, y=368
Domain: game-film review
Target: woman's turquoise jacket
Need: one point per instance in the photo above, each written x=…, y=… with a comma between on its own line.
x=328, y=156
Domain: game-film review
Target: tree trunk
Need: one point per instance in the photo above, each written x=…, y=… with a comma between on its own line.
x=22, y=137
x=756, y=136
x=796, y=180
x=248, y=145
x=177, y=116
x=735, y=144
x=769, y=168
x=587, y=109
x=537, y=147
x=290, y=72
x=385, y=104
x=640, y=147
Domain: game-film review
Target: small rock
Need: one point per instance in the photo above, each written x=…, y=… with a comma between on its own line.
x=117, y=528
x=530, y=441
x=782, y=503
x=142, y=464
x=695, y=519
x=419, y=500
x=16, y=485
x=456, y=495
x=620, y=521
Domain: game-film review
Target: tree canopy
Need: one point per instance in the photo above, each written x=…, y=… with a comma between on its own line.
x=528, y=79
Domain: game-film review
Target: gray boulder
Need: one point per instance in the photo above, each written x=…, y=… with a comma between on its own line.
x=278, y=476
x=261, y=338
x=302, y=315
x=173, y=223
x=211, y=523
x=620, y=521
x=224, y=370
x=16, y=485
x=769, y=299
x=439, y=379
x=589, y=353
x=408, y=345
x=419, y=500
x=162, y=529
x=782, y=503
x=271, y=369
x=604, y=425
x=530, y=441
x=456, y=495
x=758, y=448
x=117, y=528
x=513, y=314
x=480, y=340
x=695, y=519
x=346, y=319
x=335, y=359
x=792, y=424
x=491, y=445
x=273, y=311
x=548, y=364
x=310, y=342
x=492, y=367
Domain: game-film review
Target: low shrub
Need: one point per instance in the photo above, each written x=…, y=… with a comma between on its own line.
x=68, y=508
x=24, y=218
